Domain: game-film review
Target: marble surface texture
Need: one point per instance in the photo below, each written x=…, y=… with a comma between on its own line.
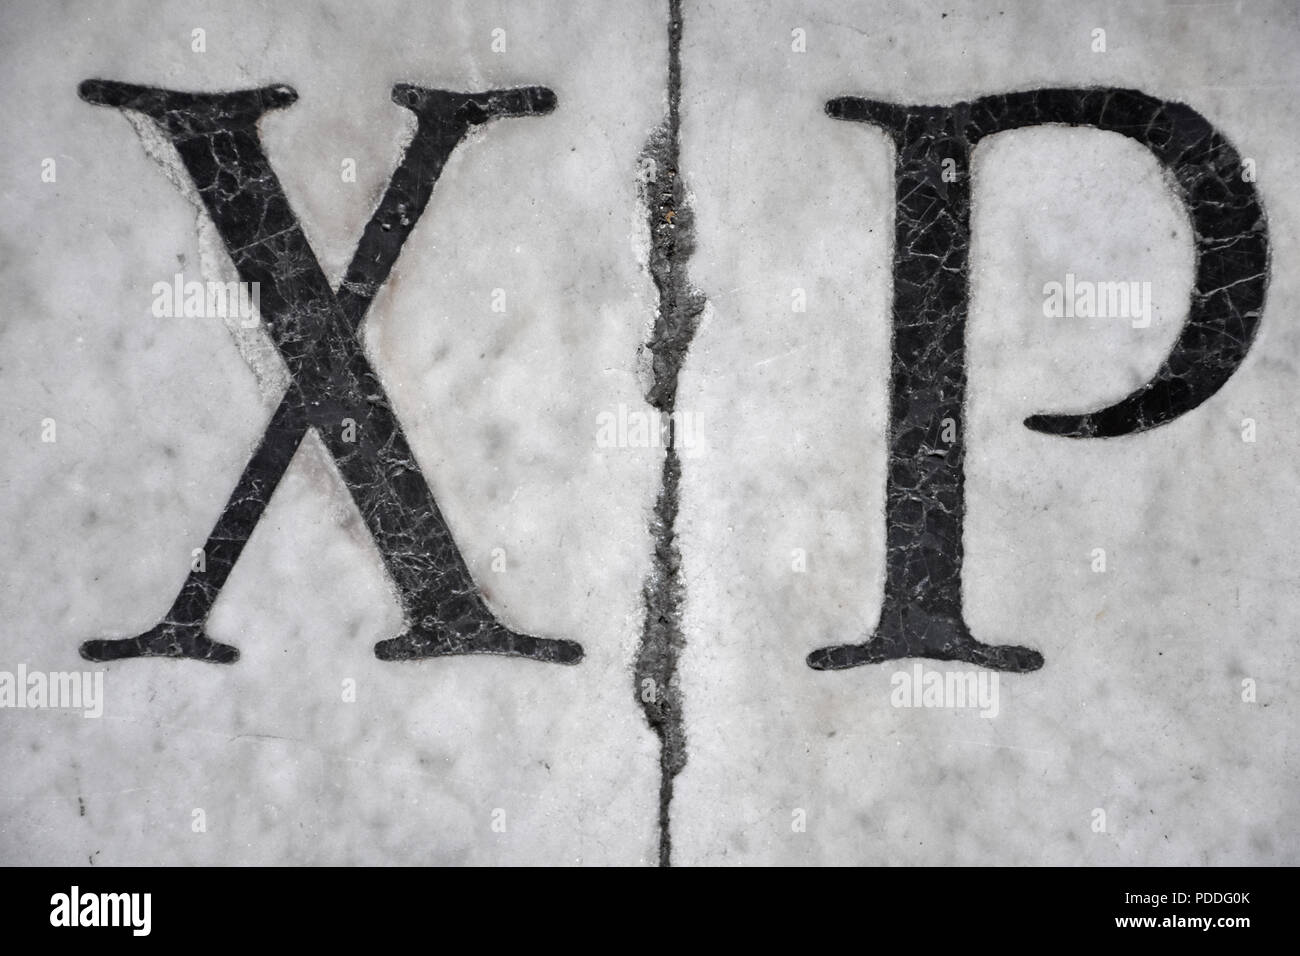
x=686, y=233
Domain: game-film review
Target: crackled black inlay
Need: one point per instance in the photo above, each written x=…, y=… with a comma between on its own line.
x=317, y=332
x=925, y=500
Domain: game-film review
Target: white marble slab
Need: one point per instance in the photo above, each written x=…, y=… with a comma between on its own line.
x=155, y=418
x=1141, y=710
x=1138, y=710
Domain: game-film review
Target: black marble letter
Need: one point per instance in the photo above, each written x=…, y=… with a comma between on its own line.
x=925, y=500
x=317, y=332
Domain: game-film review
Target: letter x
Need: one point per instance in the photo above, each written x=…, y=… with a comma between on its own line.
x=317, y=332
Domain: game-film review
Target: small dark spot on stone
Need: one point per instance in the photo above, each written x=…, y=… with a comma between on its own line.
x=472, y=113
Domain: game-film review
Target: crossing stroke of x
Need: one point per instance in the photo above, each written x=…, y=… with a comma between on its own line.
x=317, y=331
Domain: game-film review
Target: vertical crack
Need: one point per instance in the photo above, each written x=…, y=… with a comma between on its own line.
x=680, y=306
